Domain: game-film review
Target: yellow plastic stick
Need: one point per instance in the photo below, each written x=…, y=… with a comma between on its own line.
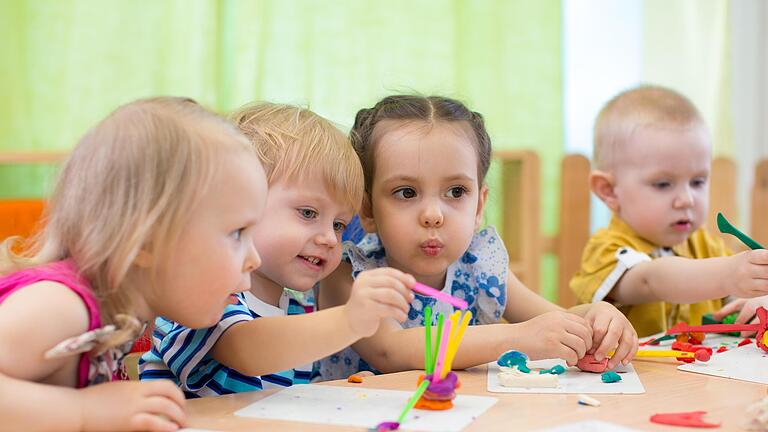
x=661, y=353
x=454, y=346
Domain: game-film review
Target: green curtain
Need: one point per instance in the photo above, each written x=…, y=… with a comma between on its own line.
x=67, y=63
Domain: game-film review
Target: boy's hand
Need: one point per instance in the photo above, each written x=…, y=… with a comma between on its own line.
x=376, y=294
x=555, y=334
x=133, y=406
x=746, y=308
x=611, y=329
x=749, y=275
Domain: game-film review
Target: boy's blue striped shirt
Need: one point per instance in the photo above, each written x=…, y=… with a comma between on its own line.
x=182, y=355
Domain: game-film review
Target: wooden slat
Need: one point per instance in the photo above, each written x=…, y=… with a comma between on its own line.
x=574, y=223
x=759, y=210
x=723, y=198
x=32, y=157
x=521, y=213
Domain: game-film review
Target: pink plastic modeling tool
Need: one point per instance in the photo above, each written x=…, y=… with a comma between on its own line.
x=429, y=291
x=440, y=363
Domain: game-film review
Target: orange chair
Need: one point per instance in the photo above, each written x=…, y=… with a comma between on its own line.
x=20, y=217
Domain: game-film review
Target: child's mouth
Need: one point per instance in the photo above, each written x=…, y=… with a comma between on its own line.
x=682, y=225
x=312, y=262
x=432, y=247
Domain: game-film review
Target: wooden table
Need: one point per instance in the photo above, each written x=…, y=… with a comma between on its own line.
x=667, y=390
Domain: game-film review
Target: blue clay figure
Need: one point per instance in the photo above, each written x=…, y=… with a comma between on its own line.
x=514, y=358
x=610, y=377
x=554, y=370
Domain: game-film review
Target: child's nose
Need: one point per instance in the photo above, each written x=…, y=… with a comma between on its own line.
x=684, y=198
x=328, y=238
x=252, y=259
x=432, y=216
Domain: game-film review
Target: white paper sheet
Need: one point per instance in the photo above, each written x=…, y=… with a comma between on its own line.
x=363, y=407
x=572, y=380
x=745, y=363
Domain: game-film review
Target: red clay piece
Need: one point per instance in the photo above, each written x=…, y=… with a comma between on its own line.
x=687, y=419
x=745, y=341
x=722, y=349
x=703, y=355
x=681, y=346
x=589, y=364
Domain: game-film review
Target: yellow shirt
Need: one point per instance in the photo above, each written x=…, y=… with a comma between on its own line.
x=601, y=269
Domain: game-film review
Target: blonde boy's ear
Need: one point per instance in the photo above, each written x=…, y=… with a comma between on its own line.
x=602, y=185
x=366, y=215
x=481, y=206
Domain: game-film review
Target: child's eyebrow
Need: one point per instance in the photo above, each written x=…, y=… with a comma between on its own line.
x=460, y=177
x=412, y=179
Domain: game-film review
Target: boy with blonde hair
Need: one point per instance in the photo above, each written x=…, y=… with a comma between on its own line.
x=654, y=261
x=315, y=186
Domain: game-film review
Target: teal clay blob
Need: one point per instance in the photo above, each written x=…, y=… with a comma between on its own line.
x=514, y=358
x=610, y=377
x=554, y=370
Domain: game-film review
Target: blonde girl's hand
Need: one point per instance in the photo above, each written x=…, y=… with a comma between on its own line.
x=555, y=334
x=611, y=330
x=156, y=406
x=377, y=294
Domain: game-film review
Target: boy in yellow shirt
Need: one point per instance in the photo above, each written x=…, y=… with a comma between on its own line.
x=652, y=160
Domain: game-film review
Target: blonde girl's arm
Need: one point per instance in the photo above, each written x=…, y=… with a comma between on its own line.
x=36, y=318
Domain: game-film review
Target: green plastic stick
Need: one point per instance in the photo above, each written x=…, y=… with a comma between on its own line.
x=725, y=227
x=428, y=365
x=413, y=400
x=438, y=334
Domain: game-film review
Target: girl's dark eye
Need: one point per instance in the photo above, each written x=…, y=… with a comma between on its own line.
x=405, y=193
x=456, y=192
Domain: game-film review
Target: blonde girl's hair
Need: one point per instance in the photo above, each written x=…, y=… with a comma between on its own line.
x=639, y=107
x=128, y=186
x=293, y=142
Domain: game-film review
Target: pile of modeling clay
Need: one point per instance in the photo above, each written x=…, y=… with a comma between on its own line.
x=516, y=373
x=439, y=393
x=437, y=387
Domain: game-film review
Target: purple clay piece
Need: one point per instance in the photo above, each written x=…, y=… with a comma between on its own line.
x=387, y=426
x=445, y=386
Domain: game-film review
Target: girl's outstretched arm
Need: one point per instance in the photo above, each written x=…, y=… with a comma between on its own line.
x=394, y=349
x=609, y=329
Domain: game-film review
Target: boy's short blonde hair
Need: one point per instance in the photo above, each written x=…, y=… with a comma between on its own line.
x=644, y=106
x=294, y=142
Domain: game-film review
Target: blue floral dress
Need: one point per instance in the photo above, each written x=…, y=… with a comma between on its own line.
x=479, y=277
